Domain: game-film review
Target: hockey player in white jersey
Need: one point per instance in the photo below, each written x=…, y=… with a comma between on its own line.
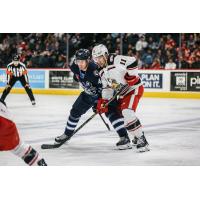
x=122, y=70
x=10, y=140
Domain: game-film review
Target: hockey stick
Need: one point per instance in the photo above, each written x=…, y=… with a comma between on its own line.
x=108, y=127
x=57, y=145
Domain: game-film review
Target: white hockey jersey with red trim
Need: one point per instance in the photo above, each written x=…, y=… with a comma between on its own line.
x=116, y=72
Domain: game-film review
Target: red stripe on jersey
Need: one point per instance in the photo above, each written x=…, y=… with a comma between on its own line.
x=131, y=80
x=34, y=159
x=127, y=77
x=27, y=152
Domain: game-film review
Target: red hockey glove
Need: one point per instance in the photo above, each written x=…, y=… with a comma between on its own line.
x=101, y=108
x=131, y=80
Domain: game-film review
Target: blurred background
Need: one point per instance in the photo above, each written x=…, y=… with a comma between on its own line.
x=56, y=50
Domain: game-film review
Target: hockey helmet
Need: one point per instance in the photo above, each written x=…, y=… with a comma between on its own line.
x=15, y=57
x=99, y=50
x=82, y=54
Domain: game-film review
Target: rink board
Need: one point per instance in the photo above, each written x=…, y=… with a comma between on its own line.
x=193, y=95
x=157, y=83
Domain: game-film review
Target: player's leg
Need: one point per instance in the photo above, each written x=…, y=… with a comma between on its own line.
x=129, y=105
x=10, y=140
x=25, y=83
x=8, y=88
x=28, y=154
x=117, y=121
x=82, y=104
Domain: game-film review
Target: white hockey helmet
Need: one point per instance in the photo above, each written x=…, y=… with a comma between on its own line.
x=99, y=50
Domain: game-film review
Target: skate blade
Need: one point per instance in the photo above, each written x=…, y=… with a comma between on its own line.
x=143, y=149
x=124, y=147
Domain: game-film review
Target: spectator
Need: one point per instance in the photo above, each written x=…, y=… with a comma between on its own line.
x=36, y=50
x=152, y=49
x=61, y=62
x=147, y=59
x=152, y=44
x=170, y=43
x=170, y=64
x=156, y=64
x=191, y=41
x=141, y=44
x=189, y=50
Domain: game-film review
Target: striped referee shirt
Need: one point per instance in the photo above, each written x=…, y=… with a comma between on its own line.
x=16, y=71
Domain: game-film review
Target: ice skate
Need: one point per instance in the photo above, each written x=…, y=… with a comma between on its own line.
x=124, y=143
x=62, y=138
x=142, y=144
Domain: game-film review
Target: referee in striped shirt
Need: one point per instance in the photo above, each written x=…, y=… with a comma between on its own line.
x=16, y=71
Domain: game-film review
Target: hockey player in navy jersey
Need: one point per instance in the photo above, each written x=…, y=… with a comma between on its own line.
x=86, y=73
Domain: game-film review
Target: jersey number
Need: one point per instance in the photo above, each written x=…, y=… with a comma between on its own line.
x=123, y=62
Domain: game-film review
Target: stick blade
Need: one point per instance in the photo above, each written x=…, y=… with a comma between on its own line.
x=50, y=146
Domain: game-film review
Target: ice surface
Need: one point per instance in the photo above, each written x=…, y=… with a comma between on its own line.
x=172, y=127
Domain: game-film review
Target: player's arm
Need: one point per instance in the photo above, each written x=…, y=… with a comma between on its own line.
x=75, y=78
x=106, y=94
x=131, y=66
x=107, y=90
x=72, y=67
x=124, y=61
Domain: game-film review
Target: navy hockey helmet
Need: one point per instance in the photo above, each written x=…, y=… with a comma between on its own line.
x=82, y=54
x=15, y=57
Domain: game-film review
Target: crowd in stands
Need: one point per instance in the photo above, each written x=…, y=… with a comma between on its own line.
x=190, y=51
x=54, y=50
x=38, y=50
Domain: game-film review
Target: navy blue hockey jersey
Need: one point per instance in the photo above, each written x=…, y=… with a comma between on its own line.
x=89, y=79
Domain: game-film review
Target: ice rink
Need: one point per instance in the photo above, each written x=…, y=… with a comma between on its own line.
x=172, y=127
